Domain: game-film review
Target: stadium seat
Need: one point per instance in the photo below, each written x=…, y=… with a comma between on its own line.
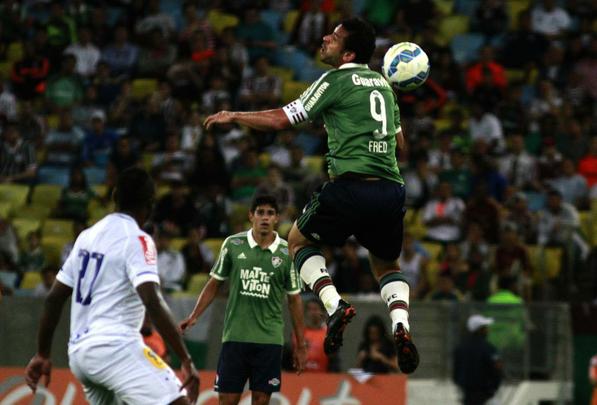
x=451, y=26
x=38, y=211
x=147, y=160
x=314, y=163
x=52, y=247
x=197, y=282
x=53, y=121
x=546, y=262
x=433, y=249
x=30, y=280
x=290, y=20
x=58, y=228
x=444, y=6
x=214, y=244
x=14, y=52
x=413, y=223
x=220, y=20
x=178, y=243
x=283, y=73
x=265, y=159
x=100, y=190
x=586, y=226
x=46, y=194
x=291, y=90
x=23, y=226
x=465, y=47
x=53, y=175
x=5, y=68
x=143, y=88
x=514, y=75
x=273, y=18
x=292, y=58
x=15, y=194
x=5, y=209
x=515, y=7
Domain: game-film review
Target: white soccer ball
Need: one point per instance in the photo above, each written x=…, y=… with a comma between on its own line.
x=406, y=65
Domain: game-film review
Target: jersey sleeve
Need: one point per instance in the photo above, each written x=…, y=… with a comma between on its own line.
x=141, y=260
x=67, y=273
x=312, y=102
x=222, y=266
x=397, y=124
x=293, y=285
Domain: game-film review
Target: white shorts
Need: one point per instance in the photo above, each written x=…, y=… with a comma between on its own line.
x=128, y=372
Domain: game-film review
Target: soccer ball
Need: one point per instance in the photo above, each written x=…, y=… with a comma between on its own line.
x=406, y=65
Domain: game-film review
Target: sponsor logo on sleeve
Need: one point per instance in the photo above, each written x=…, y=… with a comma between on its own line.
x=149, y=251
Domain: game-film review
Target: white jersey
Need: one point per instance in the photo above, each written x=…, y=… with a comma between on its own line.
x=107, y=263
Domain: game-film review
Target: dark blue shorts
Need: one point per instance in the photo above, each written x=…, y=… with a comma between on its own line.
x=372, y=211
x=261, y=364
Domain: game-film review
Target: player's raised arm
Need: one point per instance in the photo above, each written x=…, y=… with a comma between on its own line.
x=40, y=365
x=206, y=297
x=267, y=120
x=162, y=319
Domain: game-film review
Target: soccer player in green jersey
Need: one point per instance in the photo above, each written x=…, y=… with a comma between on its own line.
x=365, y=196
x=261, y=272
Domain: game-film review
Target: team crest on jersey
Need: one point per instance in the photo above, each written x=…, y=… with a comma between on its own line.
x=237, y=242
x=154, y=359
x=276, y=261
x=148, y=249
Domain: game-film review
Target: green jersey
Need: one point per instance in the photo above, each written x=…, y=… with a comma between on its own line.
x=361, y=117
x=259, y=280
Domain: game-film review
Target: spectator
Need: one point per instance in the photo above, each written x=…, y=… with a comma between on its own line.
x=238, y=55
x=32, y=256
x=310, y=26
x=442, y=215
x=247, y=175
x=108, y=86
x=587, y=166
x=555, y=69
x=197, y=256
x=214, y=206
x=65, y=89
x=593, y=378
x=192, y=132
x=173, y=163
x=415, y=14
x=458, y=176
x=475, y=244
x=121, y=55
x=32, y=126
x=215, y=93
x=61, y=32
x=122, y=157
x=263, y=90
x=315, y=331
x=444, y=289
x=29, y=74
x=210, y=166
x=48, y=275
x=485, y=174
x=586, y=67
x=512, y=112
x=275, y=185
x=63, y=144
x=512, y=259
x=157, y=57
x=171, y=266
x=175, y=211
x=550, y=159
x=257, y=36
x=571, y=185
x=101, y=31
x=83, y=111
x=9, y=249
x=156, y=20
x=485, y=126
x=193, y=23
x=518, y=166
x=490, y=19
x=518, y=213
x=78, y=227
x=8, y=103
x=550, y=19
x=376, y=351
x=546, y=102
x=422, y=181
x=75, y=198
x=440, y=157
x=477, y=369
x=147, y=126
x=413, y=265
x=421, y=122
x=487, y=94
x=98, y=142
x=474, y=75
x=350, y=269
x=17, y=157
x=523, y=47
x=86, y=53
x=573, y=143
x=485, y=211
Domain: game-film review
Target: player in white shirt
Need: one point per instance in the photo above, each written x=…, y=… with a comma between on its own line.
x=112, y=276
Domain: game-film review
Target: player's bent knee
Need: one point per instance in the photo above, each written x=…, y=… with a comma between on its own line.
x=296, y=240
x=260, y=398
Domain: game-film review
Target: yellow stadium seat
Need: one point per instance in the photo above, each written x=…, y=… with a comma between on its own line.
x=38, y=211
x=16, y=194
x=23, y=226
x=30, y=280
x=14, y=52
x=413, y=223
x=53, y=121
x=442, y=124
x=586, y=226
x=444, y=6
x=514, y=74
x=46, y=194
x=142, y=88
x=197, y=282
x=291, y=90
x=52, y=247
x=178, y=243
x=58, y=228
x=265, y=159
x=214, y=245
x=290, y=20
x=147, y=161
x=5, y=209
x=100, y=190
x=5, y=68
x=451, y=26
x=546, y=262
x=314, y=163
x=219, y=20
x=283, y=73
x=515, y=7
x=434, y=249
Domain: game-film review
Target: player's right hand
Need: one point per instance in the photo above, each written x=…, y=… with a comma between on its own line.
x=222, y=117
x=190, y=376
x=186, y=324
x=38, y=366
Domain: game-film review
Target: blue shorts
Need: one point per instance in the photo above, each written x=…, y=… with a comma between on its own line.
x=261, y=364
x=371, y=210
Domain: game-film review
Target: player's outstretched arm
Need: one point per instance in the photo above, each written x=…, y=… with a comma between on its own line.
x=40, y=365
x=295, y=307
x=209, y=292
x=162, y=319
x=268, y=120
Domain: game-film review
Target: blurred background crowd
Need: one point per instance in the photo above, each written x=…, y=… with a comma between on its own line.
x=501, y=164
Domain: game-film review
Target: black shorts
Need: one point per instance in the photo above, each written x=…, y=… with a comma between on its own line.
x=371, y=210
x=261, y=364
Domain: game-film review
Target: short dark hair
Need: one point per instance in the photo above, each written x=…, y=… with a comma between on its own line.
x=134, y=190
x=360, y=39
x=264, y=199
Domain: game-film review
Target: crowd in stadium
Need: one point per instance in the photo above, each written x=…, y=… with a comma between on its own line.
x=501, y=165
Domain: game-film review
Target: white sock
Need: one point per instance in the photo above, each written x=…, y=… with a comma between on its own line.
x=315, y=275
x=396, y=296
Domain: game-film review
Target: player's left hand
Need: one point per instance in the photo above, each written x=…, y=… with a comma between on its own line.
x=190, y=376
x=222, y=117
x=299, y=358
x=38, y=366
